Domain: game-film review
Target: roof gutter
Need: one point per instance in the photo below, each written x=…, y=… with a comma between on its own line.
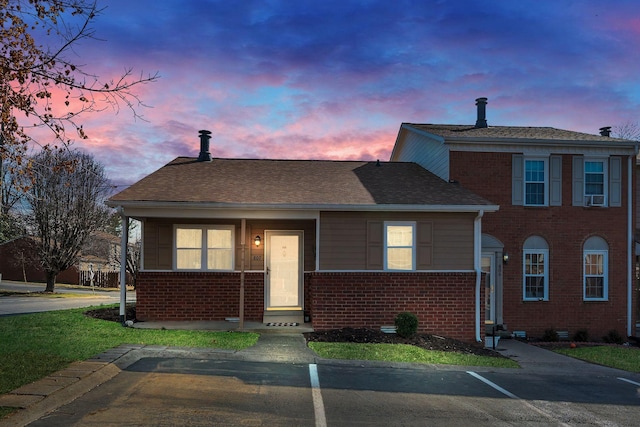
x=300, y=207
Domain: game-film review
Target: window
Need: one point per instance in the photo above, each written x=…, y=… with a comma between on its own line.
x=595, y=189
x=399, y=243
x=595, y=264
x=535, y=269
x=535, y=182
x=204, y=248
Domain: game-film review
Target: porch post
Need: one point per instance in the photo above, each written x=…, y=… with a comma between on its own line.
x=124, y=242
x=242, y=255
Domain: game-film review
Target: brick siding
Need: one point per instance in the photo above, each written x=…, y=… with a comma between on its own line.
x=565, y=228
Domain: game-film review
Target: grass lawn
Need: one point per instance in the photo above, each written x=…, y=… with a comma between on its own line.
x=625, y=358
x=405, y=353
x=36, y=345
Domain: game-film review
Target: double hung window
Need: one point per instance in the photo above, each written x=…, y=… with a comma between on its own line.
x=536, y=269
x=535, y=182
x=595, y=269
x=204, y=248
x=400, y=246
x=595, y=183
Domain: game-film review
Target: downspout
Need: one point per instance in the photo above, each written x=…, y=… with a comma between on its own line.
x=477, y=252
x=124, y=243
x=630, y=245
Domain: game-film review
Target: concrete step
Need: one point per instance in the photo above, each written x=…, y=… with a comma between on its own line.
x=283, y=316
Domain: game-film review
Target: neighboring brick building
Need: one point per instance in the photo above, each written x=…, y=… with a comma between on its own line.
x=566, y=219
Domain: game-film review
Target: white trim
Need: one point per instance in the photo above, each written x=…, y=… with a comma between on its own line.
x=477, y=264
x=545, y=160
x=605, y=274
x=630, y=243
x=545, y=275
x=137, y=209
x=596, y=199
x=385, y=247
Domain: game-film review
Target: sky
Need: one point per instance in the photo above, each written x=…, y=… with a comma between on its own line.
x=325, y=79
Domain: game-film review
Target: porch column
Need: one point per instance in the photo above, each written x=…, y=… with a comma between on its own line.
x=124, y=243
x=242, y=256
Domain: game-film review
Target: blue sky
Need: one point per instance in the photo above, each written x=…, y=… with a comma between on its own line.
x=335, y=79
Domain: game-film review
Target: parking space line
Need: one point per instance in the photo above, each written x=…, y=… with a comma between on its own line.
x=318, y=404
x=493, y=385
x=629, y=381
x=513, y=396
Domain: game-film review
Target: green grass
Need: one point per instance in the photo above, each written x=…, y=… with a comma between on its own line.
x=33, y=346
x=625, y=358
x=405, y=353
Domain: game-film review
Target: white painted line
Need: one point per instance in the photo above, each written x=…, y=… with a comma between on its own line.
x=513, y=396
x=318, y=405
x=494, y=385
x=629, y=381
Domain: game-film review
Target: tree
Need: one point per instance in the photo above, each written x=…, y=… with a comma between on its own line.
x=42, y=85
x=628, y=130
x=133, y=250
x=66, y=206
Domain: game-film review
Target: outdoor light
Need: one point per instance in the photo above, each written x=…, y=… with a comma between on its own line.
x=257, y=241
x=505, y=257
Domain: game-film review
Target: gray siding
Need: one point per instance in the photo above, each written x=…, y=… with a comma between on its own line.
x=428, y=153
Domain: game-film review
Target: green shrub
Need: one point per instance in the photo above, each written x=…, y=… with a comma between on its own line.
x=581, y=335
x=550, y=335
x=406, y=324
x=613, y=337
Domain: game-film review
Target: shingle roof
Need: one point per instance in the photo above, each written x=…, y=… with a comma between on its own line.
x=296, y=182
x=511, y=132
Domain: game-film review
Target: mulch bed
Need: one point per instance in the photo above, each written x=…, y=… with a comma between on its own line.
x=425, y=341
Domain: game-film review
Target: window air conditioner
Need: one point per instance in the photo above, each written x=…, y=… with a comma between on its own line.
x=594, y=200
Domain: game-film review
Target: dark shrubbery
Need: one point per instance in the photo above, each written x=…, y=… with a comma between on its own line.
x=613, y=337
x=581, y=335
x=406, y=324
x=550, y=335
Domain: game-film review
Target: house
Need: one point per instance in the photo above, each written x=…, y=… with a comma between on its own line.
x=337, y=243
x=560, y=250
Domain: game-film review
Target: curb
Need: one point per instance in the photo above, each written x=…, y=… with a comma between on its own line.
x=37, y=399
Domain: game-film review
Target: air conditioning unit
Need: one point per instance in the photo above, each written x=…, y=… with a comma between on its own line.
x=595, y=200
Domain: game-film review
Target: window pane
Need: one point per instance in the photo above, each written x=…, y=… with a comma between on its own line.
x=400, y=258
x=189, y=259
x=219, y=259
x=399, y=235
x=534, y=287
x=188, y=238
x=535, y=194
x=219, y=239
x=594, y=287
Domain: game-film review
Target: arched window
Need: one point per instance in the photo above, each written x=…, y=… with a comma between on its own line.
x=596, y=270
x=535, y=269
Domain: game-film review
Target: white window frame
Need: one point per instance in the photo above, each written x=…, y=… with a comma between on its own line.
x=589, y=200
x=525, y=181
x=203, y=245
x=412, y=224
x=545, y=275
x=604, y=275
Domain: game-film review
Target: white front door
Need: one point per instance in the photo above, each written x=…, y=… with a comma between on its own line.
x=488, y=266
x=283, y=270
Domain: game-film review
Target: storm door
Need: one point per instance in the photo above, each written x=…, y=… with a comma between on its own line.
x=283, y=270
x=488, y=266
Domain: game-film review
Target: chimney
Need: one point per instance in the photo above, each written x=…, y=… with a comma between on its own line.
x=481, y=122
x=605, y=131
x=205, y=155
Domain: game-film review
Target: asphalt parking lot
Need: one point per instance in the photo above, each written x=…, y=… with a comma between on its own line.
x=158, y=386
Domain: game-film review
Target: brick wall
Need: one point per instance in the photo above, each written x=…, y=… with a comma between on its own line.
x=443, y=302
x=198, y=296
x=565, y=228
